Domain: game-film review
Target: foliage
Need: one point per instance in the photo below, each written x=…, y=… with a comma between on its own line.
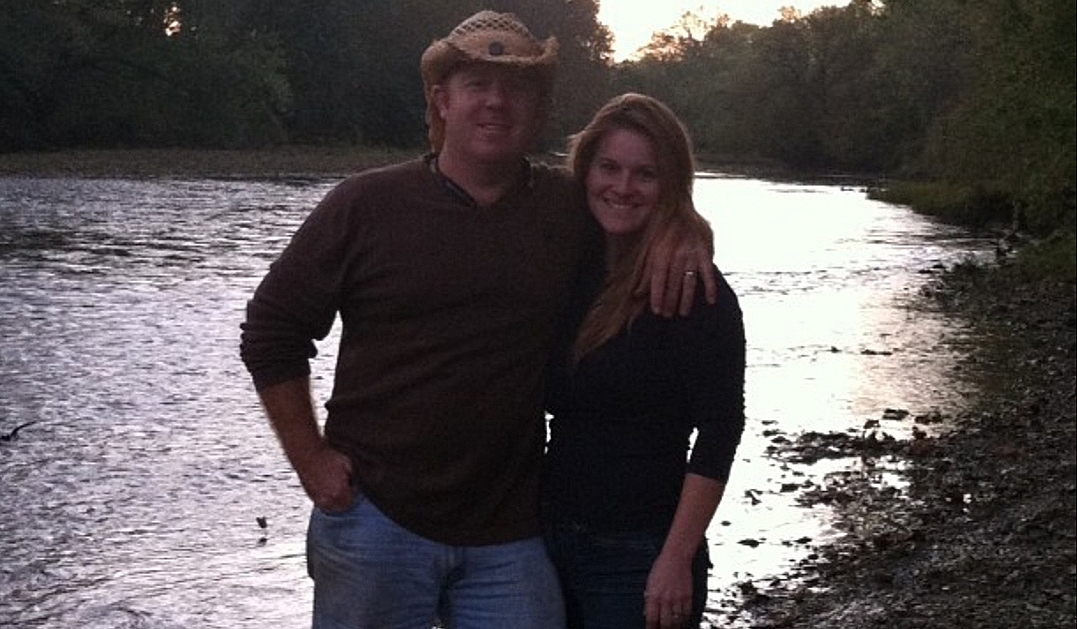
x=125, y=73
x=1054, y=257
x=1015, y=123
x=86, y=73
x=974, y=206
x=976, y=100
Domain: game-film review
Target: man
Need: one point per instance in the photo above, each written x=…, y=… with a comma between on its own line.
x=449, y=274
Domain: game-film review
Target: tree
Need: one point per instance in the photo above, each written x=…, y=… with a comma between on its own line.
x=1007, y=121
x=353, y=65
x=132, y=73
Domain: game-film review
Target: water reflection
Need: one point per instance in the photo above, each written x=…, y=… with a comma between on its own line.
x=132, y=502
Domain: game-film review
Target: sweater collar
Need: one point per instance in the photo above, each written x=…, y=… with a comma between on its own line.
x=526, y=180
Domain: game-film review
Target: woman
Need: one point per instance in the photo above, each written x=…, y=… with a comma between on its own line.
x=625, y=508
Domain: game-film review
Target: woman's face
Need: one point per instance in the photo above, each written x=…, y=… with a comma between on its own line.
x=622, y=182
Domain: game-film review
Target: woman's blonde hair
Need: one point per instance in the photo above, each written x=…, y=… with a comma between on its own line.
x=617, y=305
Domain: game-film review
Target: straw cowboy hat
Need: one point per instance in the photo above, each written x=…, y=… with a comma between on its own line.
x=488, y=37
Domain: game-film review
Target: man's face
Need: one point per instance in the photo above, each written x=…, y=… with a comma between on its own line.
x=490, y=112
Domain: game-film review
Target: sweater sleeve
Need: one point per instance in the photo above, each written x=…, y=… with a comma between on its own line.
x=712, y=345
x=297, y=301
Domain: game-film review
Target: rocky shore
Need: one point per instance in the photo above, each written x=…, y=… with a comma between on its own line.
x=984, y=533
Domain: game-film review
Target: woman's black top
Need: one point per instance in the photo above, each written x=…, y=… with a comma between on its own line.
x=622, y=419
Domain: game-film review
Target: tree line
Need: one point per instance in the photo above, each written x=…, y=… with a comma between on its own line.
x=979, y=94
x=248, y=73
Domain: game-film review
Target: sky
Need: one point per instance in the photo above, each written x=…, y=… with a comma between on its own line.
x=633, y=21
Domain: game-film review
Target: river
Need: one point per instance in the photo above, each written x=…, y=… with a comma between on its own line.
x=132, y=498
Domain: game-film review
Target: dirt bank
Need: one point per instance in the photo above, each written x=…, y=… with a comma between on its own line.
x=983, y=535
x=283, y=162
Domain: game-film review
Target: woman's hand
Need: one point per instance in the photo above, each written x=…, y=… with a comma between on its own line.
x=668, y=597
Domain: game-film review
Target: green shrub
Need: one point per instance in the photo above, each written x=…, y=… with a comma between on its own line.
x=972, y=206
x=1054, y=257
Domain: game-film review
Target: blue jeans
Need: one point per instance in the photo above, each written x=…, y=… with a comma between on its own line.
x=603, y=575
x=370, y=573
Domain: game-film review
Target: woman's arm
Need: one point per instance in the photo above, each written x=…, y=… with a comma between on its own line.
x=711, y=351
x=668, y=598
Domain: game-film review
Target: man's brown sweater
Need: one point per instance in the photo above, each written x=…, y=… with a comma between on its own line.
x=447, y=312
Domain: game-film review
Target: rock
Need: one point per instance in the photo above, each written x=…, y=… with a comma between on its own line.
x=895, y=414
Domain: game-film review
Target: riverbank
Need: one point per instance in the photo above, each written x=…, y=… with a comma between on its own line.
x=278, y=163
x=291, y=162
x=983, y=536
